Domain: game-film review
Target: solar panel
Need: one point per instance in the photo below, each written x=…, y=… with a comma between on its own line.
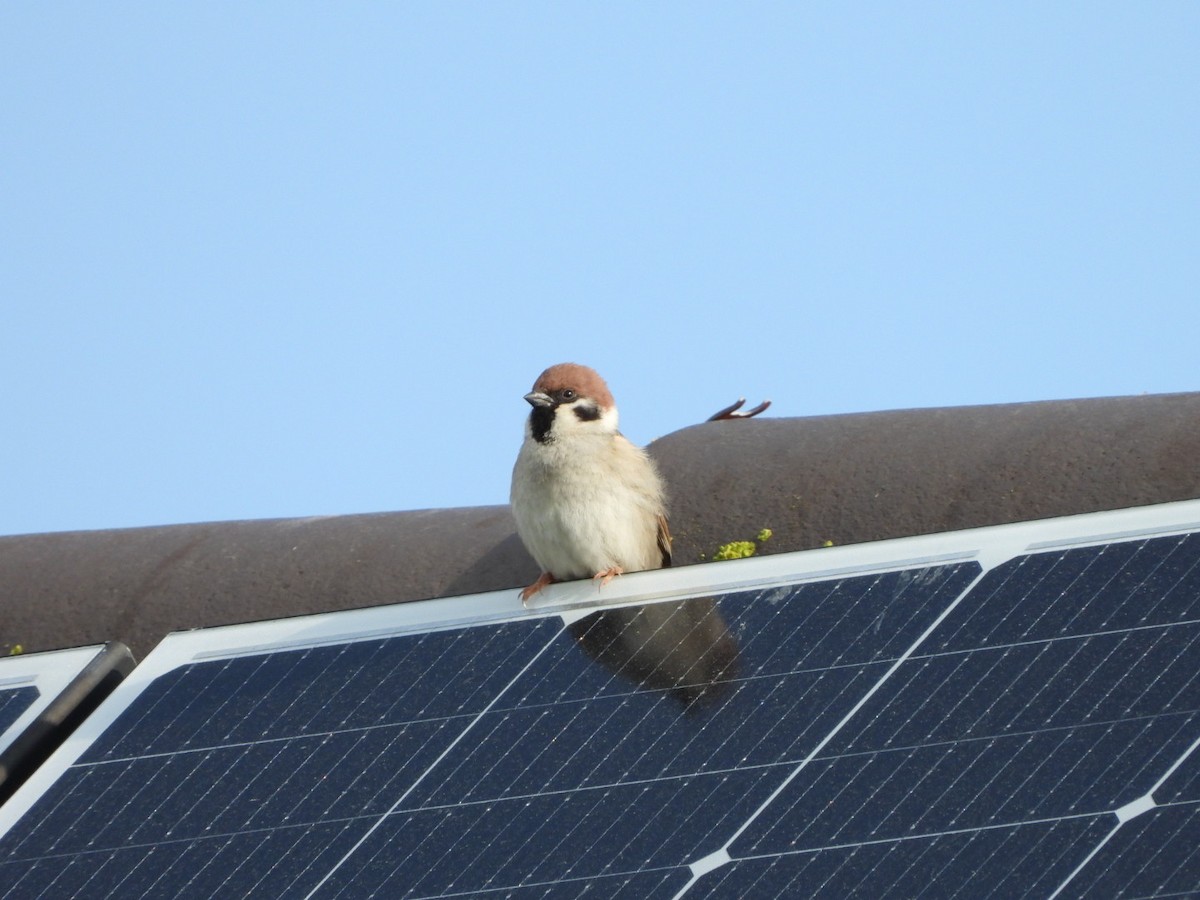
x=1009, y=712
x=45, y=695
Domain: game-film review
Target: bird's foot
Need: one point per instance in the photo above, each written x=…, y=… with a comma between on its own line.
x=543, y=580
x=608, y=575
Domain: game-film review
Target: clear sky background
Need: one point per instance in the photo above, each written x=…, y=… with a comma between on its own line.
x=272, y=259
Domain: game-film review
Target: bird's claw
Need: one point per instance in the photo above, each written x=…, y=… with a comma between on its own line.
x=543, y=580
x=607, y=575
x=731, y=411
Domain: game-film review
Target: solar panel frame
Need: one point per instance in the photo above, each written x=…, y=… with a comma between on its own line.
x=57, y=688
x=991, y=548
x=48, y=673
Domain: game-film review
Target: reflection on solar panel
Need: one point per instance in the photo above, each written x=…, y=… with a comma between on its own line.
x=1006, y=712
x=43, y=696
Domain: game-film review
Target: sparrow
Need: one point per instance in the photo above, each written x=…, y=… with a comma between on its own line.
x=588, y=503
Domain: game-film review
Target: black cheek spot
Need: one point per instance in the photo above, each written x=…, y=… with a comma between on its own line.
x=588, y=413
x=540, y=421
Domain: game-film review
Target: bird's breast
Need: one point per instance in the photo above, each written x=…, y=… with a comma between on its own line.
x=581, y=515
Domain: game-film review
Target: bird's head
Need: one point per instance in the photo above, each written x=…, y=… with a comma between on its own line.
x=570, y=399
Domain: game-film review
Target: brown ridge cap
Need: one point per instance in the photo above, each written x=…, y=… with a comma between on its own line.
x=845, y=478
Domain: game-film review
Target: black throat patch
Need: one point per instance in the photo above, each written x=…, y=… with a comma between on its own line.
x=540, y=421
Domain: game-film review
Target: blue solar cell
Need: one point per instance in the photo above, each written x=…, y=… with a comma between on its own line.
x=1026, y=729
x=13, y=702
x=1050, y=698
x=977, y=863
x=1155, y=855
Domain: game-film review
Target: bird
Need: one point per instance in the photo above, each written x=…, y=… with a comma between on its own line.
x=587, y=501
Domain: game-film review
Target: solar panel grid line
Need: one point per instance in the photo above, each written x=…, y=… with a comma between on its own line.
x=89, y=880
x=1192, y=647
x=60, y=803
x=173, y=715
x=1146, y=579
x=227, y=785
x=1012, y=646
x=944, y=685
x=819, y=602
x=456, y=840
x=296, y=699
x=1175, y=766
x=287, y=850
x=611, y=714
x=1141, y=872
x=967, y=741
x=221, y=860
x=18, y=699
x=17, y=695
x=1010, y=574
x=921, y=836
x=1023, y=856
x=564, y=837
x=697, y=738
x=277, y=680
x=1184, y=727
x=926, y=848
x=374, y=827
x=354, y=705
x=1141, y=806
x=599, y=837
x=1145, y=869
x=1188, y=574
x=1193, y=845
x=214, y=863
x=1076, y=567
x=800, y=767
x=925, y=839
x=895, y=665
x=1086, y=861
x=1044, y=641
x=1063, y=850
x=998, y=849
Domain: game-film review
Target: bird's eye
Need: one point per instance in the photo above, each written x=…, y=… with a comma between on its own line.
x=566, y=394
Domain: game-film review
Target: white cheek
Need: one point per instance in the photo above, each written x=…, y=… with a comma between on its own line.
x=567, y=423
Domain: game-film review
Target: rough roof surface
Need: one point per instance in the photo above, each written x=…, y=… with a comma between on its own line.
x=846, y=479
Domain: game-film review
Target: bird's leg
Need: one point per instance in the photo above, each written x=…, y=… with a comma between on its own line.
x=543, y=580
x=608, y=575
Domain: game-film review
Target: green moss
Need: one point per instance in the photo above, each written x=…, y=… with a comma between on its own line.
x=741, y=549
x=735, y=550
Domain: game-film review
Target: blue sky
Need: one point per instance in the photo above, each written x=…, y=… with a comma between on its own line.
x=300, y=259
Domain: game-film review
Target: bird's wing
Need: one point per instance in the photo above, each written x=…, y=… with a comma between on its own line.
x=664, y=541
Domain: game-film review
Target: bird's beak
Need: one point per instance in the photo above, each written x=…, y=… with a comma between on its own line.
x=537, y=398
